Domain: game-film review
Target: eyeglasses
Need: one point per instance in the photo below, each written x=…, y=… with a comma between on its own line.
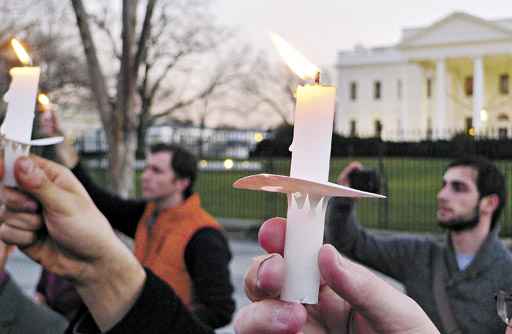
x=504, y=306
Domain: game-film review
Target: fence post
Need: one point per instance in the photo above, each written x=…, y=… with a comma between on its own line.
x=270, y=197
x=383, y=219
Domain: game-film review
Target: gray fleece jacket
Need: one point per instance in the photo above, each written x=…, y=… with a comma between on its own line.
x=410, y=260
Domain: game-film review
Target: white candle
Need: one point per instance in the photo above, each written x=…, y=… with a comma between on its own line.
x=19, y=119
x=311, y=152
x=312, y=132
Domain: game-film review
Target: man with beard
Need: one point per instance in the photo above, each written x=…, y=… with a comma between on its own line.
x=454, y=282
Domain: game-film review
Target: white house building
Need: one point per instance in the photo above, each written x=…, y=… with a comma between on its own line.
x=449, y=77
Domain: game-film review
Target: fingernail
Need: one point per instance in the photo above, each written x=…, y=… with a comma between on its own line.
x=258, y=283
x=26, y=165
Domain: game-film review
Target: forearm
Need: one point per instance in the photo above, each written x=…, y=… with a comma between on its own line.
x=208, y=253
x=111, y=288
x=123, y=214
x=341, y=229
x=157, y=310
x=387, y=254
x=215, y=314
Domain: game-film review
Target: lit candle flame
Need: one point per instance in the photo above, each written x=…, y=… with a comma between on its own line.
x=295, y=60
x=21, y=53
x=43, y=99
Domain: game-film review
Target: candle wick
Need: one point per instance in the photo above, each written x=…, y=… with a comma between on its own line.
x=317, y=78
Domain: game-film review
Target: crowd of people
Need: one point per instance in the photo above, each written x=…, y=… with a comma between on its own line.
x=177, y=280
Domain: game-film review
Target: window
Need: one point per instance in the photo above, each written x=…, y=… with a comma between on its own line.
x=469, y=125
x=353, y=91
x=353, y=128
x=378, y=129
x=502, y=133
x=429, y=88
x=504, y=84
x=399, y=89
x=377, y=90
x=468, y=86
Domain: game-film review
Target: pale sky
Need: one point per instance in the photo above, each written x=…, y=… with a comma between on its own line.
x=320, y=28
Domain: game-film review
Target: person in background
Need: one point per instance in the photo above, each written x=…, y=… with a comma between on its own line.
x=18, y=313
x=58, y=294
x=453, y=282
x=173, y=235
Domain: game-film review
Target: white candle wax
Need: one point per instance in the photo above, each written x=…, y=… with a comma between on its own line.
x=21, y=99
x=19, y=119
x=304, y=237
x=311, y=152
x=312, y=132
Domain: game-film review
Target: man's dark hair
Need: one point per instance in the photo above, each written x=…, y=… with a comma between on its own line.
x=183, y=163
x=490, y=180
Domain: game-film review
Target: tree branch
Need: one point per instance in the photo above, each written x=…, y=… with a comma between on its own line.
x=101, y=24
x=144, y=36
x=96, y=77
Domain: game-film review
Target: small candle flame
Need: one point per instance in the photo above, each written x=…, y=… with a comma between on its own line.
x=21, y=53
x=43, y=99
x=295, y=60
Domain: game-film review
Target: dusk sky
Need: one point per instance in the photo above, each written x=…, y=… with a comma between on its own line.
x=321, y=28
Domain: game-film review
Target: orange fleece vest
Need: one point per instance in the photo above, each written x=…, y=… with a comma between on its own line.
x=163, y=249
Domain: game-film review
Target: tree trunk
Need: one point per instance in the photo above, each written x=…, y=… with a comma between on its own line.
x=122, y=163
x=143, y=125
x=96, y=78
x=119, y=119
x=124, y=134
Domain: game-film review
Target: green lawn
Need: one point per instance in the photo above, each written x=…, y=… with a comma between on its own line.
x=411, y=203
x=410, y=206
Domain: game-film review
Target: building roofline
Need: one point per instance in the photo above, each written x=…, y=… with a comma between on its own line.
x=427, y=29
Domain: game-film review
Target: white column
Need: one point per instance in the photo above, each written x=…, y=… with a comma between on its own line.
x=405, y=130
x=478, y=92
x=440, y=130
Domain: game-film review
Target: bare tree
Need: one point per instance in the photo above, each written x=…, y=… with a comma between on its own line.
x=117, y=110
x=185, y=35
x=271, y=87
x=162, y=69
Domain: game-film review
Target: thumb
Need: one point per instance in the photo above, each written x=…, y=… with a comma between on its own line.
x=380, y=303
x=34, y=175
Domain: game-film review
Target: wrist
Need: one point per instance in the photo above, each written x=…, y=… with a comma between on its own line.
x=111, y=286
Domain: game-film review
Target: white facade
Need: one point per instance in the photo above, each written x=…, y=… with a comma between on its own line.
x=452, y=76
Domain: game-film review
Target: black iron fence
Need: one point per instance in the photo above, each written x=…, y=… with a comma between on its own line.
x=410, y=184
x=411, y=175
